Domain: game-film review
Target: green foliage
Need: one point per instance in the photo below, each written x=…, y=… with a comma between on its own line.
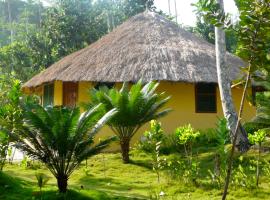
x=252, y=127
x=183, y=171
x=241, y=177
x=187, y=136
x=52, y=32
x=154, y=139
x=222, y=130
x=61, y=138
x=136, y=180
x=135, y=107
x=18, y=16
x=10, y=112
x=258, y=137
x=4, y=143
x=156, y=134
x=42, y=180
x=252, y=31
x=215, y=136
x=207, y=30
x=261, y=120
x=15, y=58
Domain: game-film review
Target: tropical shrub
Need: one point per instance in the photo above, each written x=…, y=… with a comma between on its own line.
x=242, y=174
x=187, y=136
x=263, y=110
x=150, y=138
x=154, y=139
x=252, y=127
x=42, y=180
x=61, y=138
x=168, y=145
x=212, y=136
x=258, y=138
x=135, y=107
x=4, y=143
x=182, y=170
x=10, y=112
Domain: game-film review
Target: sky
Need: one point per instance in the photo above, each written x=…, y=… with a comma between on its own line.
x=185, y=13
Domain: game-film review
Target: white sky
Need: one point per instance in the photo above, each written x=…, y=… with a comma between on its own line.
x=185, y=10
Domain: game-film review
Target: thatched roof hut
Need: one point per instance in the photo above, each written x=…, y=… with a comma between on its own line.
x=147, y=47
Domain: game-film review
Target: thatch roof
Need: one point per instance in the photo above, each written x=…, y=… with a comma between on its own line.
x=147, y=47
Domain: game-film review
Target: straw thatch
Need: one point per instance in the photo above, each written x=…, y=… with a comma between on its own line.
x=147, y=47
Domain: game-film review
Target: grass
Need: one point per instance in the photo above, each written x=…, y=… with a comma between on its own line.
x=105, y=177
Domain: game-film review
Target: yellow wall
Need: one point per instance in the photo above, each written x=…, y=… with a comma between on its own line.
x=182, y=103
x=83, y=93
x=58, y=93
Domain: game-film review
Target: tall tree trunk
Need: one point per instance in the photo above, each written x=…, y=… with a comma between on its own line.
x=62, y=183
x=169, y=6
x=10, y=21
x=224, y=83
x=176, y=13
x=124, y=142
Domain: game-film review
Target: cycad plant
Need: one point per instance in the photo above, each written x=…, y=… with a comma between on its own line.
x=135, y=107
x=61, y=138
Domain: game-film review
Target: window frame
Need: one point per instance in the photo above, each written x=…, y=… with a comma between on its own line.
x=65, y=91
x=52, y=96
x=109, y=85
x=205, y=94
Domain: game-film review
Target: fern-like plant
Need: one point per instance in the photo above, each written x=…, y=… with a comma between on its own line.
x=135, y=107
x=61, y=138
x=42, y=180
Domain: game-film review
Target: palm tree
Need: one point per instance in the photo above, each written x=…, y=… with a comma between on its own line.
x=61, y=138
x=135, y=107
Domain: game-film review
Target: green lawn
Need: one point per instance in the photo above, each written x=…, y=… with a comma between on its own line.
x=107, y=178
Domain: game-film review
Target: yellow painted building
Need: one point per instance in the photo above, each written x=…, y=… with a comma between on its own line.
x=147, y=47
x=183, y=103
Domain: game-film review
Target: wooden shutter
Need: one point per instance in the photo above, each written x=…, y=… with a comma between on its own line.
x=70, y=94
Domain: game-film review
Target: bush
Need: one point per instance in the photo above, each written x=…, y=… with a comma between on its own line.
x=215, y=136
x=208, y=137
x=187, y=136
x=252, y=127
x=169, y=144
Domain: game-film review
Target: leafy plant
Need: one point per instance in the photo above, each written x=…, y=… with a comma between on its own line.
x=4, y=143
x=241, y=177
x=183, y=171
x=135, y=107
x=258, y=138
x=154, y=138
x=187, y=137
x=61, y=138
x=42, y=180
x=10, y=112
x=151, y=137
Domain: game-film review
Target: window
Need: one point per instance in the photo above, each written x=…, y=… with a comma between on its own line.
x=70, y=94
x=48, y=94
x=205, y=98
x=257, y=91
x=102, y=84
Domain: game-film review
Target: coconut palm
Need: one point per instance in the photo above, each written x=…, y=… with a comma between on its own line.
x=135, y=107
x=61, y=138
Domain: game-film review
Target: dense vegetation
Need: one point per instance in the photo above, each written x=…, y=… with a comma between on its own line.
x=61, y=139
